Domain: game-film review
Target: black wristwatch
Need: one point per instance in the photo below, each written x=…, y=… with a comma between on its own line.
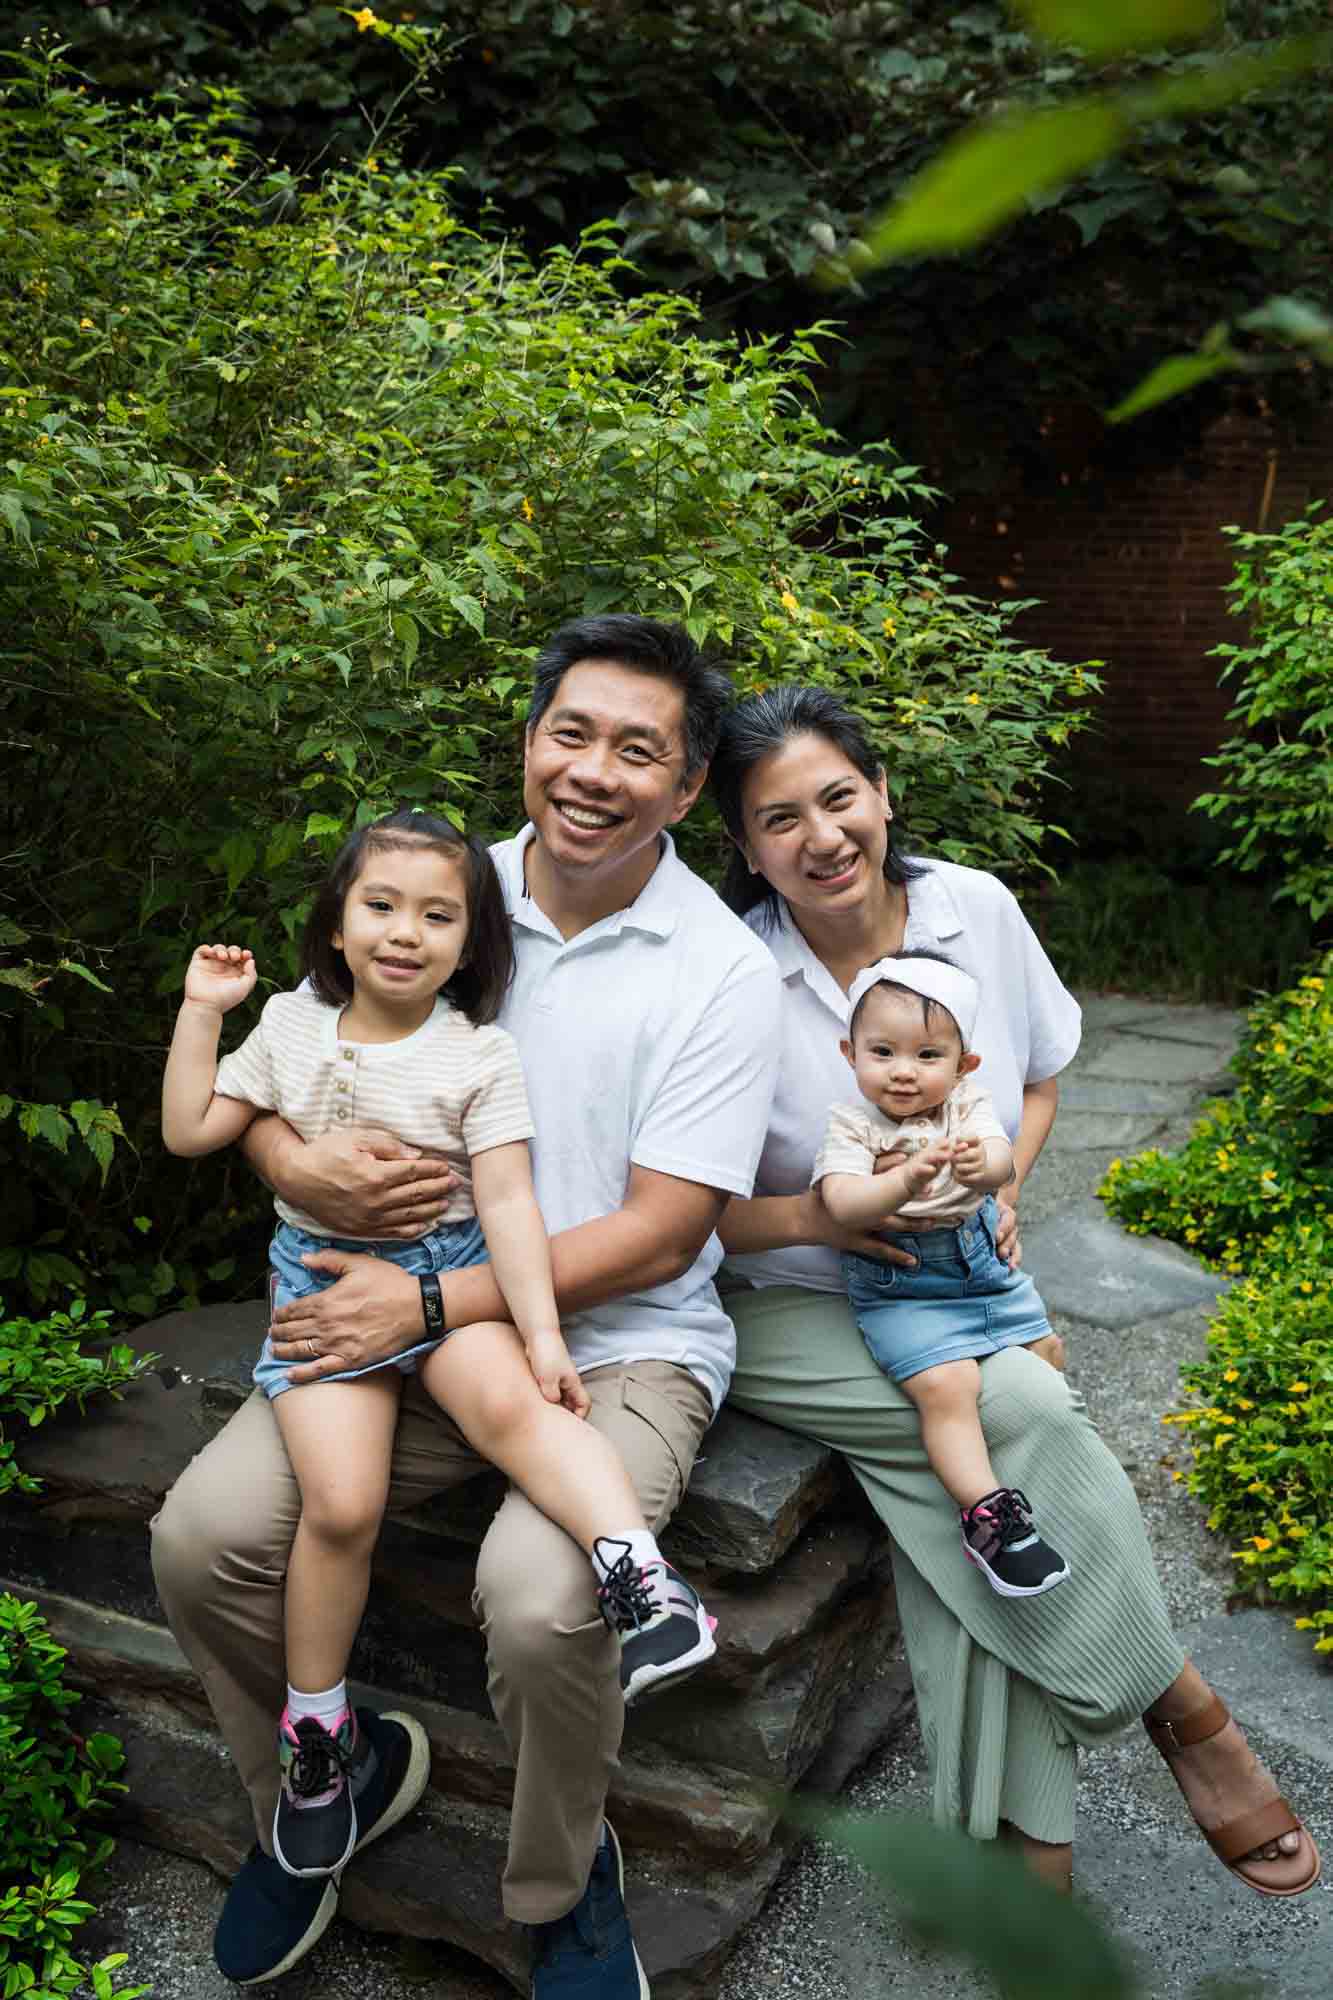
x=432, y=1305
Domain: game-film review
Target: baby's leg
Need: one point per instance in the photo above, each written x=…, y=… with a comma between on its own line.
x=339, y=1438
x=946, y=1398
x=480, y=1375
x=1050, y=1348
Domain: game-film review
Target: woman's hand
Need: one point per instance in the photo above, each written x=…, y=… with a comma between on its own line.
x=373, y=1311
x=819, y=1227
x=1008, y=1246
x=364, y=1183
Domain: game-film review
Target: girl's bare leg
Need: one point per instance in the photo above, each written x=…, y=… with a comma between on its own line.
x=1221, y=1778
x=946, y=1398
x=480, y=1376
x=339, y=1438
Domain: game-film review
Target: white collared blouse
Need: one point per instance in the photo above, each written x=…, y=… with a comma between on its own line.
x=1028, y=1029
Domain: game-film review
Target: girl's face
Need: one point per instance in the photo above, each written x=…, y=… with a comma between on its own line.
x=815, y=827
x=404, y=925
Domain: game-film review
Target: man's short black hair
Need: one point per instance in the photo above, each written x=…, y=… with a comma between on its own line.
x=647, y=646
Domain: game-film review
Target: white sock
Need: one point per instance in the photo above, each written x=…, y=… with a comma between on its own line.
x=327, y=1708
x=641, y=1544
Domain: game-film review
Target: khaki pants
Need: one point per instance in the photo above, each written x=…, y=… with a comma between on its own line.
x=220, y=1547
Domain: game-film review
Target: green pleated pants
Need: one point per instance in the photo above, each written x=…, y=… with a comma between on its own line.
x=1007, y=1688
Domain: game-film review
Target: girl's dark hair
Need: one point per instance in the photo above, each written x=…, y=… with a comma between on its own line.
x=481, y=980
x=753, y=730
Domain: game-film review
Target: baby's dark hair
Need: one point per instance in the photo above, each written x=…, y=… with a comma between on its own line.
x=481, y=979
x=929, y=1008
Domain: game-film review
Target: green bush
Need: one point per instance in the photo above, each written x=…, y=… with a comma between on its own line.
x=43, y=1364
x=54, y=1784
x=1275, y=795
x=294, y=477
x=1252, y=1192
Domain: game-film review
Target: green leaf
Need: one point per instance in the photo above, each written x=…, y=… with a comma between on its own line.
x=1107, y=27
x=82, y=972
x=238, y=855
x=321, y=823
x=1172, y=377
x=408, y=634
x=468, y=608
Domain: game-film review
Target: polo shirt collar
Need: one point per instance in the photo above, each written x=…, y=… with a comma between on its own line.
x=932, y=916
x=655, y=910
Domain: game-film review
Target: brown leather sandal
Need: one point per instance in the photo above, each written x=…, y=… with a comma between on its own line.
x=1240, y=1836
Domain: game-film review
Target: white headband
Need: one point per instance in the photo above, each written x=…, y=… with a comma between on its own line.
x=949, y=984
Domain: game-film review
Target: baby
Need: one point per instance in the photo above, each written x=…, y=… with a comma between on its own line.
x=911, y=1019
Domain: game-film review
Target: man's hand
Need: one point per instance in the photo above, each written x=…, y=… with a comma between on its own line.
x=1008, y=1247
x=557, y=1377
x=372, y=1312
x=822, y=1229
x=367, y=1183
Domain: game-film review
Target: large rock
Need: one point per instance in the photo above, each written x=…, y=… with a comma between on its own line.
x=1088, y=1267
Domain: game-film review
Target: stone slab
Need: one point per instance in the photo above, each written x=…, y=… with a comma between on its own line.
x=1140, y=1058
x=1104, y=1133
x=1119, y=1095
x=437, y=1876
x=1089, y=1268
x=753, y=1491
x=1220, y=1027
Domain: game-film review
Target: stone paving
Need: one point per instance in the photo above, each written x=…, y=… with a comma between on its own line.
x=1131, y=1312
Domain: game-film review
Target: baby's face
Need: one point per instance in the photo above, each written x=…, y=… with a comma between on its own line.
x=904, y=1066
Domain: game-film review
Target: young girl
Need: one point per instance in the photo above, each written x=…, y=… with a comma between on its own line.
x=911, y=1018
x=407, y=957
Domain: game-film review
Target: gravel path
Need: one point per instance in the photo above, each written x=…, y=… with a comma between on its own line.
x=1131, y=1314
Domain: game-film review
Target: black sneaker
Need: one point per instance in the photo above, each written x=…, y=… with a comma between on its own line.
x=665, y=1633
x=590, y=1955
x=998, y=1536
x=270, y=1919
x=314, y=1824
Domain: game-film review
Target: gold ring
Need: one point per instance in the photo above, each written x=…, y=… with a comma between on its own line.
x=312, y=1350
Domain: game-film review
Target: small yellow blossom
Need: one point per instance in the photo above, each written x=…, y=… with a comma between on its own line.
x=1323, y=1645
x=1299, y=1388
x=972, y=699
x=85, y=322
x=526, y=510
x=365, y=17
x=372, y=166
x=1231, y=1375
x=1305, y=1625
x=889, y=628
x=1306, y=1286
x=789, y=603
x=1262, y=1542
x=1244, y=1403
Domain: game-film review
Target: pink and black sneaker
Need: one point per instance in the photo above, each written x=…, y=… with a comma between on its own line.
x=998, y=1536
x=314, y=1827
x=665, y=1633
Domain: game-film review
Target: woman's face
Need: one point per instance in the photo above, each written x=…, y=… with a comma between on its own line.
x=815, y=827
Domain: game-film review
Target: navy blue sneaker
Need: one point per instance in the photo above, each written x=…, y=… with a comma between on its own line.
x=590, y=1955
x=270, y=1919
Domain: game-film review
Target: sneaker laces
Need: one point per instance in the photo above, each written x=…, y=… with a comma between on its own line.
x=319, y=1762
x=624, y=1597
x=1010, y=1511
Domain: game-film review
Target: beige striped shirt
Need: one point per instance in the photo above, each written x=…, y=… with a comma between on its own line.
x=450, y=1087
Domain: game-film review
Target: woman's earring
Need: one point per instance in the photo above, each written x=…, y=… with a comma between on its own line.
x=888, y=815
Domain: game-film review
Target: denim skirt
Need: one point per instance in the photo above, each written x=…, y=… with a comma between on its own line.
x=448, y=1249
x=960, y=1302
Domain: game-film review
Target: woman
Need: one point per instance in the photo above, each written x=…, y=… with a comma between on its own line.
x=1006, y=1691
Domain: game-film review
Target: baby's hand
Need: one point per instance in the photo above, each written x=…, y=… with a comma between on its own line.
x=969, y=1160
x=921, y=1169
x=557, y=1377
x=221, y=976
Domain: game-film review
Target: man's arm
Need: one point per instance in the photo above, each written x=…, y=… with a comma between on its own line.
x=360, y=1183
x=375, y=1309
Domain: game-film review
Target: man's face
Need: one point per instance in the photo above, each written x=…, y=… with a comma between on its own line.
x=604, y=771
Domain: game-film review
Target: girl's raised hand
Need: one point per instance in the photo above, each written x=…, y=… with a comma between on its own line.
x=221, y=976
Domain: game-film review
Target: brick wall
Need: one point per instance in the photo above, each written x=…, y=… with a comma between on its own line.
x=1126, y=552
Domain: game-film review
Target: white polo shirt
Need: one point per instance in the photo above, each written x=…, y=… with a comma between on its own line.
x=648, y=1040
x=1028, y=1029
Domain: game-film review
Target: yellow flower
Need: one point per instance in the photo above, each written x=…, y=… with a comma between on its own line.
x=1306, y=1286
x=372, y=166
x=1231, y=1375
x=1299, y=1388
x=85, y=322
x=789, y=603
x=972, y=699
x=1261, y=1542
x=1244, y=1403
x=889, y=628
x=365, y=17
x=1255, y=1486
x=1305, y=1625
x=526, y=510
x=1323, y=1645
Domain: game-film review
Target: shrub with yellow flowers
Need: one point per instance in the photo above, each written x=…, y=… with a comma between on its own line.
x=1252, y=1193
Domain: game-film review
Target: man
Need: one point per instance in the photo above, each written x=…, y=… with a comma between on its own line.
x=646, y=1016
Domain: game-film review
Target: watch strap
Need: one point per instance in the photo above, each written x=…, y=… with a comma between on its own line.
x=432, y=1305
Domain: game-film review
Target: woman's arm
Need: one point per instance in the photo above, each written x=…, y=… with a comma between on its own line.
x=1040, y=1103
x=793, y=1222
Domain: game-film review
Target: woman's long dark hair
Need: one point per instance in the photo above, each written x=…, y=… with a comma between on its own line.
x=480, y=982
x=753, y=730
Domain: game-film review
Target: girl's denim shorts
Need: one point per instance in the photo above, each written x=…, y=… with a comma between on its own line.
x=447, y=1249
x=960, y=1302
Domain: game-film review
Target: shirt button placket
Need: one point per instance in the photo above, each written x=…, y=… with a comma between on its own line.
x=346, y=1084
